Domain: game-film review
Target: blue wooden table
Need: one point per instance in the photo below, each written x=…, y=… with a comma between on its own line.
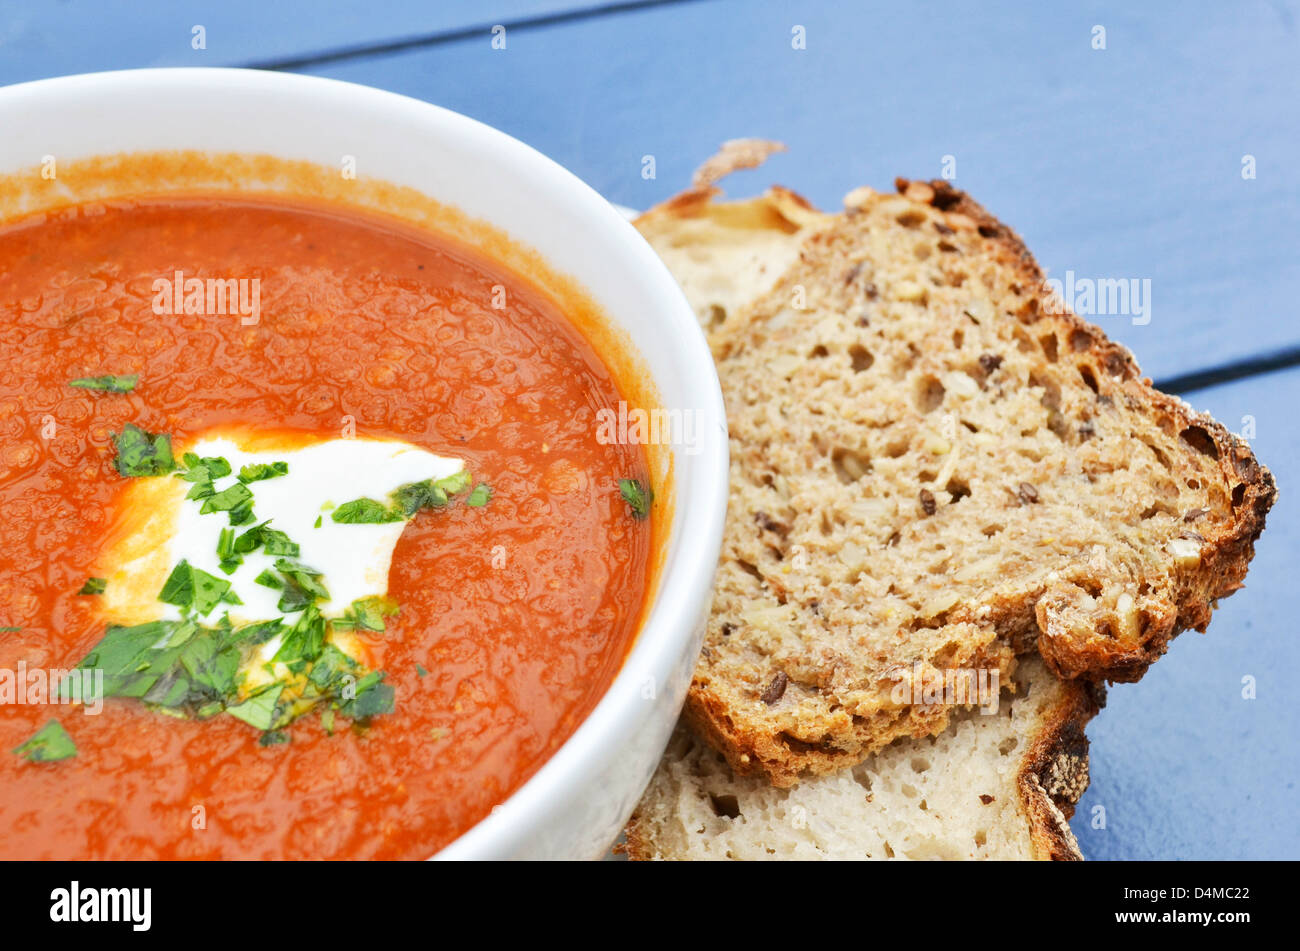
x=1156, y=142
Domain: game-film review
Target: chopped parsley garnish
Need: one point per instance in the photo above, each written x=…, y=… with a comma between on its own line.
x=9, y=629
x=302, y=585
x=107, y=384
x=259, y=710
x=405, y=501
x=372, y=697
x=163, y=662
x=201, y=471
x=263, y=470
x=259, y=632
x=454, y=483
x=304, y=642
x=637, y=496
x=332, y=666
x=367, y=614
x=193, y=588
x=49, y=744
x=278, y=544
x=429, y=494
x=230, y=560
x=479, y=497
x=184, y=669
x=236, y=500
x=270, y=540
x=205, y=468
x=420, y=671
x=199, y=668
x=94, y=586
x=141, y=453
x=364, y=512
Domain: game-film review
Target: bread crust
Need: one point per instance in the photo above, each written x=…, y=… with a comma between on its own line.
x=1053, y=774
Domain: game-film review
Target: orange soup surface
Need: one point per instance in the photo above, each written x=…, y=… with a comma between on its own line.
x=514, y=615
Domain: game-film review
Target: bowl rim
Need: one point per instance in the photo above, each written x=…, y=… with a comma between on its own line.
x=692, y=542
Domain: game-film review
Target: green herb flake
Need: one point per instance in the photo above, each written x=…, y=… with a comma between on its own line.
x=272, y=541
x=268, y=579
x=279, y=544
x=178, y=589
x=9, y=630
x=364, y=512
x=233, y=499
x=204, y=469
x=141, y=453
x=250, y=540
x=303, y=585
x=230, y=560
x=373, y=697
x=263, y=470
x=184, y=630
x=367, y=614
x=273, y=738
x=94, y=586
x=305, y=641
x=479, y=497
x=242, y=514
x=411, y=498
x=332, y=670
x=190, y=587
x=107, y=384
x=200, y=490
x=49, y=744
x=420, y=671
x=259, y=710
x=407, y=500
x=456, y=482
x=637, y=496
x=257, y=633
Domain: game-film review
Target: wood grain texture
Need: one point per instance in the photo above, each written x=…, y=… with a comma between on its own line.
x=1120, y=163
x=38, y=40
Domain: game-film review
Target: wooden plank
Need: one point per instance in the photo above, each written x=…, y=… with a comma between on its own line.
x=1117, y=163
x=1182, y=765
x=79, y=36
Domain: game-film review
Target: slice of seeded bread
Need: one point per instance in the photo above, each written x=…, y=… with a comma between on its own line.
x=991, y=786
x=932, y=468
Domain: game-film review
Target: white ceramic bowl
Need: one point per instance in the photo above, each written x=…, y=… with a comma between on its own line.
x=575, y=805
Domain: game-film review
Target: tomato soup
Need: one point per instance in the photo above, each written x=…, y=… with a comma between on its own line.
x=513, y=593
